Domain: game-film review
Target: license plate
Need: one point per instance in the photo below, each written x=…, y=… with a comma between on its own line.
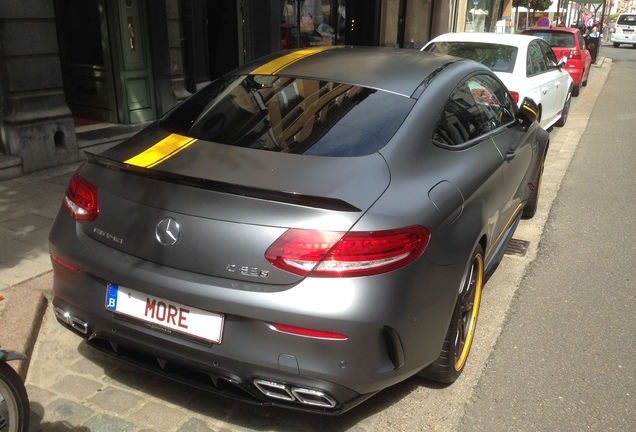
x=628, y=31
x=165, y=314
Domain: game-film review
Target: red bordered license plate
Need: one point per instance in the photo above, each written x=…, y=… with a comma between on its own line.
x=171, y=315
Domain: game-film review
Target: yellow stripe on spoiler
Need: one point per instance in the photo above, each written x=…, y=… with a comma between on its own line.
x=275, y=66
x=164, y=149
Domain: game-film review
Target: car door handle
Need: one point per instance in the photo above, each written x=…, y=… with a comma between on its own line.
x=544, y=90
x=510, y=155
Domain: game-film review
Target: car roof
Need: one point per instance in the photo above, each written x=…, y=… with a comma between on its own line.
x=553, y=29
x=399, y=71
x=518, y=40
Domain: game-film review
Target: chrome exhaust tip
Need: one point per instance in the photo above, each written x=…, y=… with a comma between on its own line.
x=313, y=397
x=74, y=322
x=305, y=396
x=274, y=390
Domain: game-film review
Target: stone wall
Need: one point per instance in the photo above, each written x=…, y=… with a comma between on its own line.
x=38, y=126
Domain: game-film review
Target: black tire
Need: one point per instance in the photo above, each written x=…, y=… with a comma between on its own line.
x=565, y=112
x=14, y=409
x=616, y=44
x=530, y=209
x=577, y=89
x=459, y=337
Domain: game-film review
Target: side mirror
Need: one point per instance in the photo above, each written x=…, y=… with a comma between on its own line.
x=562, y=62
x=528, y=111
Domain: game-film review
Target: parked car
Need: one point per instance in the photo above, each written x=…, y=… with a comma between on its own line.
x=623, y=30
x=526, y=64
x=299, y=234
x=568, y=42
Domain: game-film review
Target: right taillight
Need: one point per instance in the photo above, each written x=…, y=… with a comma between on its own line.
x=80, y=200
x=575, y=54
x=339, y=254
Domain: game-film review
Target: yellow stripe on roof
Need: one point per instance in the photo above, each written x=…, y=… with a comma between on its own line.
x=275, y=66
x=163, y=150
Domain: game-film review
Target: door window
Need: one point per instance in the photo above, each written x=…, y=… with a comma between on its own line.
x=478, y=106
x=536, y=59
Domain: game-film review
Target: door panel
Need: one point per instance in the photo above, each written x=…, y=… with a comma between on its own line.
x=131, y=62
x=85, y=59
x=106, y=74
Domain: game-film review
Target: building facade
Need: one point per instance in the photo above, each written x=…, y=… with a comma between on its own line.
x=122, y=63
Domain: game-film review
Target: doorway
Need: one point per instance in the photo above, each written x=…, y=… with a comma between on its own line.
x=105, y=60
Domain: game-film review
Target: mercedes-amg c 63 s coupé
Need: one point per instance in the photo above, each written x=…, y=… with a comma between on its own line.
x=305, y=231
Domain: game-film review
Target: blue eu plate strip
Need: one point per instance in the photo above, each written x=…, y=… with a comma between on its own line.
x=111, y=297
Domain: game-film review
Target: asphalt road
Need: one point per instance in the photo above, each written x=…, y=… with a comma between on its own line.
x=566, y=357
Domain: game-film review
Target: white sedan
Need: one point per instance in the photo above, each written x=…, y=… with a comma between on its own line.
x=526, y=65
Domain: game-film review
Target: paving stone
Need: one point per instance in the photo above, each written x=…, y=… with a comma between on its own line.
x=125, y=376
x=108, y=423
x=68, y=411
x=195, y=425
x=77, y=387
x=27, y=224
x=117, y=401
x=159, y=416
x=94, y=366
x=170, y=391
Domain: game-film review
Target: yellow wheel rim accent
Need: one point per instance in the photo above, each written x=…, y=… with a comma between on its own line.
x=478, y=267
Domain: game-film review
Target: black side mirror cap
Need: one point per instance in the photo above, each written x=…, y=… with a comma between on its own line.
x=528, y=111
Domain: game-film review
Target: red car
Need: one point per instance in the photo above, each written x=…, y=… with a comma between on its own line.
x=567, y=42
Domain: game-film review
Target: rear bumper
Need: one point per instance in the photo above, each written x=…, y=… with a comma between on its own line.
x=391, y=334
x=576, y=74
x=623, y=38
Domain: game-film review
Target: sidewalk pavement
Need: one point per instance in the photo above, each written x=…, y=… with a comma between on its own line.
x=28, y=206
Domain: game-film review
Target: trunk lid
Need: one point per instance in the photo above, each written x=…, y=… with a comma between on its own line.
x=226, y=204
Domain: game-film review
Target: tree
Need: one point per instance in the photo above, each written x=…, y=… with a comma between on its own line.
x=537, y=5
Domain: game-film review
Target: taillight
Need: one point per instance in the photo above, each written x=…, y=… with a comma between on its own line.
x=515, y=96
x=80, y=200
x=339, y=254
x=575, y=54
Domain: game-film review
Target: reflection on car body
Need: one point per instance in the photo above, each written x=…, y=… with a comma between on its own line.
x=300, y=235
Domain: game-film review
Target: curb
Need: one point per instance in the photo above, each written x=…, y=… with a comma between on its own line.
x=20, y=324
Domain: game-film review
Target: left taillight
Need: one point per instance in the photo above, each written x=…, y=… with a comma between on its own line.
x=515, y=96
x=339, y=254
x=80, y=200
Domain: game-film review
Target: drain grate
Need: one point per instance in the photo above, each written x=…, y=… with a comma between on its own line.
x=517, y=247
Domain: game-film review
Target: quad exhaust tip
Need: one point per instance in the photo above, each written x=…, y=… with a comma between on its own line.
x=74, y=322
x=306, y=396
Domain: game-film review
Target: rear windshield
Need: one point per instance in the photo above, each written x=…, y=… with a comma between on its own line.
x=555, y=39
x=291, y=115
x=499, y=58
x=626, y=20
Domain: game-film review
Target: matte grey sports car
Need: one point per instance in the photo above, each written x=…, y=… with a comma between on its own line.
x=306, y=231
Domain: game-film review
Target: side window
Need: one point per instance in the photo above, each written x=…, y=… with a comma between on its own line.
x=493, y=100
x=478, y=106
x=551, y=59
x=536, y=58
x=581, y=40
